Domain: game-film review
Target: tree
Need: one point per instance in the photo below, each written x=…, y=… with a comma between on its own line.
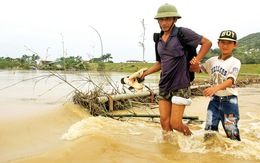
x=25, y=58
x=106, y=57
x=34, y=58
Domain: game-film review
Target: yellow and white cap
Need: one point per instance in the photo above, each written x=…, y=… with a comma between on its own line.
x=228, y=35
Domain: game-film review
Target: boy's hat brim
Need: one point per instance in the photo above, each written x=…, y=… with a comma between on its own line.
x=227, y=39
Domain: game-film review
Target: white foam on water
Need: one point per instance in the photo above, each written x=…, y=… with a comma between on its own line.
x=246, y=149
x=252, y=116
x=101, y=126
x=89, y=125
x=139, y=131
x=256, y=129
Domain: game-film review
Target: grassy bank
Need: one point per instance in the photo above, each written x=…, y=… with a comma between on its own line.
x=126, y=67
x=132, y=67
x=246, y=71
x=250, y=69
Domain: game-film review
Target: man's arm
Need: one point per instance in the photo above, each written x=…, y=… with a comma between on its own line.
x=156, y=67
x=205, y=47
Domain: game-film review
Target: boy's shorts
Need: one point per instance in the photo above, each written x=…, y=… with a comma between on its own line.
x=224, y=109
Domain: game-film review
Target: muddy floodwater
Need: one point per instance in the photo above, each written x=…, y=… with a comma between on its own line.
x=39, y=123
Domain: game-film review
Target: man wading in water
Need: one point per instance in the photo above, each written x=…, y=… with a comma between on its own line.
x=174, y=85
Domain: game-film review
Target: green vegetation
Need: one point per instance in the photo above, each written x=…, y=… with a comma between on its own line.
x=132, y=67
x=76, y=64
x=69, y=63
x=248, y=51
x=250, y=69
x=25, y=62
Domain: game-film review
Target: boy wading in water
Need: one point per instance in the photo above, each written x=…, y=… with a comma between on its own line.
x=223, y=71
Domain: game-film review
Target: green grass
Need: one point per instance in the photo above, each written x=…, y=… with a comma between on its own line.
x=250, y=69
x=123, y=67
x=132, y=67
x=247, y=70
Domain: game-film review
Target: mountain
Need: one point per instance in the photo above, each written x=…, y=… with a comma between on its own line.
x=248, y=50
x=250, y=43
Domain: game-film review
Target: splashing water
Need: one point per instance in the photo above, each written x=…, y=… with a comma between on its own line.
x=138, y=131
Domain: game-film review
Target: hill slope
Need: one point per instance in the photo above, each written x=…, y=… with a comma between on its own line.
x=248, y=50
x=249, y=43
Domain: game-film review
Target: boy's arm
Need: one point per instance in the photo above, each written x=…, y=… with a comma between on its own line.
x=212, y=90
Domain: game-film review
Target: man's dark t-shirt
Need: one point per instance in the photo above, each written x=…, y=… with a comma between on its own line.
x=174, y=70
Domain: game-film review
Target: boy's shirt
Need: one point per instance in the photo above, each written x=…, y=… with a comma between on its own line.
x=220, y=70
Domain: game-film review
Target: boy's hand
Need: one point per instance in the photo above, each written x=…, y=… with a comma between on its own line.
x=210, y=91
x=194, y=65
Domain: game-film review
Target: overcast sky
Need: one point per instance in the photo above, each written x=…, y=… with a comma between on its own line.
x=42, y=25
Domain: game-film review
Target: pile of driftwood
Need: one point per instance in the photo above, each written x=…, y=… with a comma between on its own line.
x=248, y=81
x=102, y=105
x=99, y=104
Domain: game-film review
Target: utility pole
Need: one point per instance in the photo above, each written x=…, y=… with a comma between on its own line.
x=143, y=38
x=99, y=39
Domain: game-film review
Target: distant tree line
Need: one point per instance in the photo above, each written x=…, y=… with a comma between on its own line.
x=27, y=62
x=243, y=52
